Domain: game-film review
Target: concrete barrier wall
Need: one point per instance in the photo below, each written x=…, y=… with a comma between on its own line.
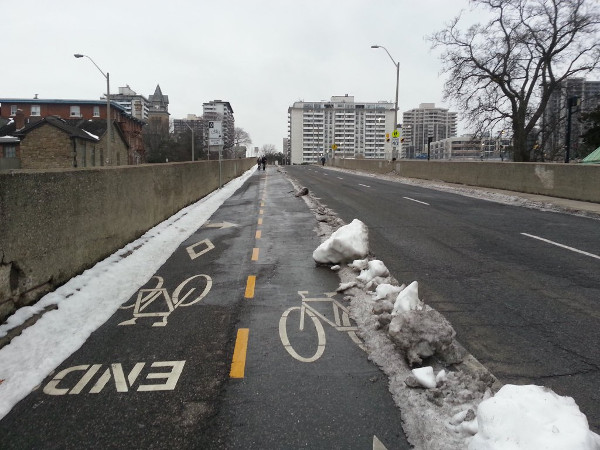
x=572, y=181
x=54, y=224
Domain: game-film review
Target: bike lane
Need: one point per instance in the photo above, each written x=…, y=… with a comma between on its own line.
x=337, y=400
x=159, y=372
x=150, y=377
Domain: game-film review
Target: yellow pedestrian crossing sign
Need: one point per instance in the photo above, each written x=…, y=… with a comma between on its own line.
x=334, y=147
x=395, y=133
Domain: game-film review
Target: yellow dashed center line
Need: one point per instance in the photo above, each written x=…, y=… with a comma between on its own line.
x=238, y=364
x=260, y=220
x=250, y=286
x=258, y=234
x=261, y=211
x=255, y=254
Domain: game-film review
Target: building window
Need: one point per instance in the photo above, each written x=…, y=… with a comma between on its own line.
x=13, y=110
x=96, y=112
x=36, y=110
x=10, y=151
x=75, y=111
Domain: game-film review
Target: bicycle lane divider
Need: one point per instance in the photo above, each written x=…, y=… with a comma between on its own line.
x=238, y=363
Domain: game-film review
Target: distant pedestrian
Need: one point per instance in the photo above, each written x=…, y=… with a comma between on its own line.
x=322, y=160
x=264, y=162
x=258, y=161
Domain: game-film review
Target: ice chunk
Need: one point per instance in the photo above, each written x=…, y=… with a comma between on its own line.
x=345, y=244
x=384, y=290
x=425, y=376
x=531, y=417
x=408, y=299
x=374, y=269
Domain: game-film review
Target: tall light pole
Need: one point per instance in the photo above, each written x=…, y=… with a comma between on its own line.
x=108, y=127
x=397, y=64
x=192, y=130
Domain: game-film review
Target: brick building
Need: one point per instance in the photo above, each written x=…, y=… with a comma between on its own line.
x=79, y=111
x=53, y=143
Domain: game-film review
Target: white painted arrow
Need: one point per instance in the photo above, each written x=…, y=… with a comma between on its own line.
x=377, y=445
x=220, y=225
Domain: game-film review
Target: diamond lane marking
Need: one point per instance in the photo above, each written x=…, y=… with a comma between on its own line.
x=208, y=246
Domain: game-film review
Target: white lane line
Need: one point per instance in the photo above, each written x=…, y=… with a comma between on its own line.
x=561, y=245
x=364, y=185
x=339, y=178
x=418, y=201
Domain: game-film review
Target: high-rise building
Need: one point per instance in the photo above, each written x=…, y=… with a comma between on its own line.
x=422, y=123
x=340, y=127
x=220, y=110
x=554, y=123
x=134, y=104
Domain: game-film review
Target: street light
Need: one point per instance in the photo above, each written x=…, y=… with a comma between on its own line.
x=107, y=76
x=397, y=64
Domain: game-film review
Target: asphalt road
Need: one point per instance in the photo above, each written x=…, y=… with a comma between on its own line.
x=196, y=358
x=526, y=308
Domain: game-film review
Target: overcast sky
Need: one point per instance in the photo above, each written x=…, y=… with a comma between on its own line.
x=261, y=56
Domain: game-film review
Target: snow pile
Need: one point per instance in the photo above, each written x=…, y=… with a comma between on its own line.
x=456, y=407
x=347, y=243
x=421, y=334
x=528, y=417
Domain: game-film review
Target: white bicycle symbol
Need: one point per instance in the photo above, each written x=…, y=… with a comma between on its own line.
x=147, y=299
x=341, y=323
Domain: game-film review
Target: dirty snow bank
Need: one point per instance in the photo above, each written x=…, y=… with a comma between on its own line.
x=455, y=408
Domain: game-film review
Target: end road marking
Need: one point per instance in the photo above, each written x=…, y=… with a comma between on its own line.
x=238, y=364
x=255, y=252
x=561, y=245
x=418, y=201
x=250, y=286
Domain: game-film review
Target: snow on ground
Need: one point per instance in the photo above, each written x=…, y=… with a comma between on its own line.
x=88, y=300
x=457, y=408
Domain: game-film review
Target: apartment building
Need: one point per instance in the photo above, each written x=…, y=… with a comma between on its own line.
x=134, y=104
x=340, y=127
x=221, y=110
x=420, y=124
x=468, y=147
x=554, y=123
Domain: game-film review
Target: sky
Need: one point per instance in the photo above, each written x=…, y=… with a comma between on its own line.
x=516, y=417
x=261, y=56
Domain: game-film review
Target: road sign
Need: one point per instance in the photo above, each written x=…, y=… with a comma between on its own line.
x=395, y=141
x=334, y=147
x=215, y=132
x=395, y=133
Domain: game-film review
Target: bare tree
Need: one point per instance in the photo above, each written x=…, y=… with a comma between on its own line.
x=504, y=71
x=241, y=137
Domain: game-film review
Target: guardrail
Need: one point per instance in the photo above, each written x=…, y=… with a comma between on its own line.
x=56, y=223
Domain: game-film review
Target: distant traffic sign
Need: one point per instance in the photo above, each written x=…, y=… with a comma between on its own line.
x=395, y=133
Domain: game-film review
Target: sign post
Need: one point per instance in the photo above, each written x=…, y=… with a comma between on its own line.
x=395, y=142
x=215, y=139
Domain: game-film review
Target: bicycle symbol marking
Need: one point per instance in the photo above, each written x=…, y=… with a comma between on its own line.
x=341, y=322
x=148, y=302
